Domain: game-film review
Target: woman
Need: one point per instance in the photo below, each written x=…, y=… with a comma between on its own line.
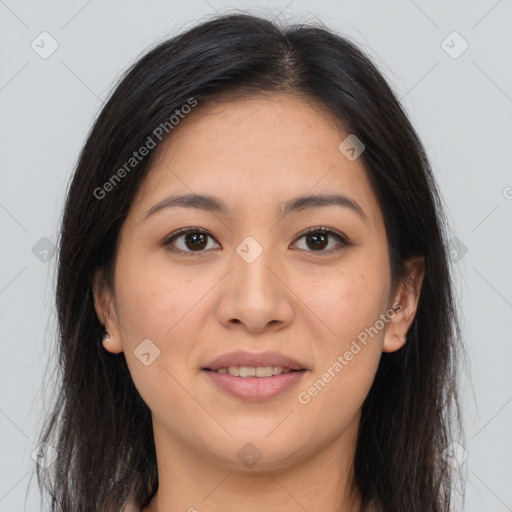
x=254, y=301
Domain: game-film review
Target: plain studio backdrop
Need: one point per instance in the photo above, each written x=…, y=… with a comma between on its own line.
x=449, y=62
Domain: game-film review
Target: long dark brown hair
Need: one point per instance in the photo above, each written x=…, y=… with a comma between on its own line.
x=100, y=426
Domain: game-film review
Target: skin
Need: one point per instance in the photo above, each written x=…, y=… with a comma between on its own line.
x=310, y=304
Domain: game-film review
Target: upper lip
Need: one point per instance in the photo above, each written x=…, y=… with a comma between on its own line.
x=243, y=358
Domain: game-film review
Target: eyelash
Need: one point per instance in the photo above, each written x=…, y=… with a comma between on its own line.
x=342, y=239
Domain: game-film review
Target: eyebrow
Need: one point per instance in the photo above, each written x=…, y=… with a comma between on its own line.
x=214, y=204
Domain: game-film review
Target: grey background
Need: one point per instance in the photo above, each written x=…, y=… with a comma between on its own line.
x=461, y=107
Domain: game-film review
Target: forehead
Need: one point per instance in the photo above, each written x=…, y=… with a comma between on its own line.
x=254, y=121
x=257, y=151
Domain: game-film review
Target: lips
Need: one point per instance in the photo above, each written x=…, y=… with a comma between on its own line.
x=254, y=389
x=243, y=358
x=276, y=373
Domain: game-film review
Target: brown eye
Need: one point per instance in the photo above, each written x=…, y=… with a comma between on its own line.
x=192, y=240
x=317, y=241
x=319, y=238
x=196, y=240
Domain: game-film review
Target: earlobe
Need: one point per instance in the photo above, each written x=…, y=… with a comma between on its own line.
x=394, y=342
x=111, y=340
x=111, y=345
x=407, y=296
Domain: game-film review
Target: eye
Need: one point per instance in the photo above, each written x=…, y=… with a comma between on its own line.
x=193, y=240
x=318, y=238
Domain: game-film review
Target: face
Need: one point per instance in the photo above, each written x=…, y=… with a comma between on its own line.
x=262, y=273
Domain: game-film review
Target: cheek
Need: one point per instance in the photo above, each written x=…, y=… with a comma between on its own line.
x=346, y=300
x=160, y=305
x=347, y=360
x=348, y=307
x=150, y=299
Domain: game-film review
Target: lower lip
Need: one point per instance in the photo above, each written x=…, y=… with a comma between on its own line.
x=255, y=389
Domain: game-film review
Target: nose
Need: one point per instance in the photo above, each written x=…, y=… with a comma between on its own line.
x=255, y=296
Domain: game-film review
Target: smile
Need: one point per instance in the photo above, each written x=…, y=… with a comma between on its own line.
x=254, y=383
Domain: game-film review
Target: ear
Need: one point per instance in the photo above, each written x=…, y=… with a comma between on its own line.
x=105, y=311
x=405, y=304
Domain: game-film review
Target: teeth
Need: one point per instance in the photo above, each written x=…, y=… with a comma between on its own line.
x=251, y=371
x=263, y=371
